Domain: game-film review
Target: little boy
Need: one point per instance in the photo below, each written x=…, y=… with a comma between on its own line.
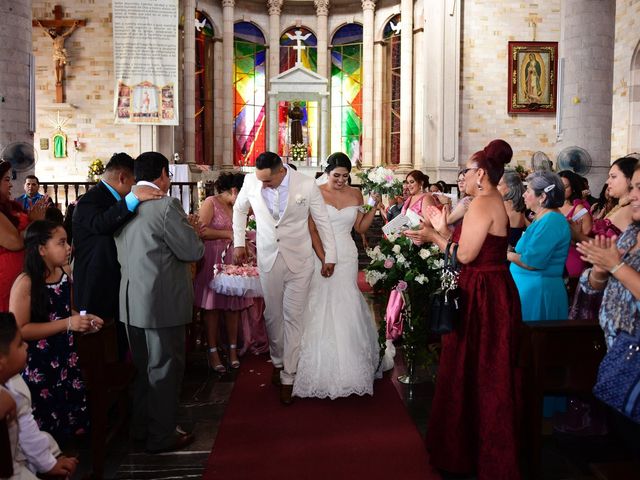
x=33, y=451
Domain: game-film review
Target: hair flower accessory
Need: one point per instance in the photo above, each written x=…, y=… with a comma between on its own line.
x=548, y=188
x=300, y=200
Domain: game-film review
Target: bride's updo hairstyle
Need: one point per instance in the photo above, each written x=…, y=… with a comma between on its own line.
x=493, y=158
x=338, y=159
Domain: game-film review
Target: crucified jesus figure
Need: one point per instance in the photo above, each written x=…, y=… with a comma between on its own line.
x=59, y=52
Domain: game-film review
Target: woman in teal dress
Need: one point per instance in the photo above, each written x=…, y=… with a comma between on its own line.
x=537, y=265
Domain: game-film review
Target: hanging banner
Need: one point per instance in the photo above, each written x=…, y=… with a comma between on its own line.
x=145, y=57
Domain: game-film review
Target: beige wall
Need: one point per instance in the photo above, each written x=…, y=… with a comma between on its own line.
x=487, y=27
x=626, y=86
x=89, y=89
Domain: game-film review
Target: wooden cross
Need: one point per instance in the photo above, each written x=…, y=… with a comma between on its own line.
x=59, y=30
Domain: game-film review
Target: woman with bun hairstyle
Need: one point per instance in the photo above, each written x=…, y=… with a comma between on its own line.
x=473, y=425
x=215, y=216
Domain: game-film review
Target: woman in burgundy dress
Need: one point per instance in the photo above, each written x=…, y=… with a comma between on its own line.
x=473, y=426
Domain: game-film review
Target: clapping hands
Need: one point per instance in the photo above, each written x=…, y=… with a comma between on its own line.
x=39, y=208
x=601, y=251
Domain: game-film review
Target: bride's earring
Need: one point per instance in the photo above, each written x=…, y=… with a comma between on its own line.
x=479, y=185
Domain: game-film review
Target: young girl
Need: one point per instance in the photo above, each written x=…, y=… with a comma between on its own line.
x=41, y=301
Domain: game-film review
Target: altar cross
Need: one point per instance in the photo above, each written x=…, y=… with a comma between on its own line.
x=59, y=30
x=298, y=37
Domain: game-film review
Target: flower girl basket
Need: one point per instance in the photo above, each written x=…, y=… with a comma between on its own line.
x=236, y=280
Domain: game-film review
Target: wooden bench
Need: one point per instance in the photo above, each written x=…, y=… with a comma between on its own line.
x=107, y=380
x=558, y=358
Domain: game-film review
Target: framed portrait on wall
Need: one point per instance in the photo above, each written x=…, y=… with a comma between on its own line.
x=533, y=77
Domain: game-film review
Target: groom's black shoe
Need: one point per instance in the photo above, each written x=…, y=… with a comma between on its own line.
x=275, y=376
x=286, y=394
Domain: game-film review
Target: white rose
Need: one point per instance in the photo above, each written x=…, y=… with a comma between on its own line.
x=424, y=253
x=392, y=237
x=396, y=249
x=420, y=279
x=400, y=259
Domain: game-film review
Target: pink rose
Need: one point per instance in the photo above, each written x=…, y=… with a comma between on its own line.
x=402, y=286
x=388, y=263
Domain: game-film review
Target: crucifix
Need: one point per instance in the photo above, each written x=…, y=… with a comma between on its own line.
x=298, y=37
x=59, y=30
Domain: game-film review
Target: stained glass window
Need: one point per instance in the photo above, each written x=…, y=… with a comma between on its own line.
x=288, y=57
x=346, y=91
x=391, y=103
x=249, y=84
x=204, y=90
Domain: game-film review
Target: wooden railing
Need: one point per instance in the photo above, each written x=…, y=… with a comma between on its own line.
x=64, y=193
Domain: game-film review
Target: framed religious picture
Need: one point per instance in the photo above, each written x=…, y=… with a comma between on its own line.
x=533, y=77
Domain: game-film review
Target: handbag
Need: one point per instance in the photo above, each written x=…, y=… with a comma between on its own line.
x=445, y=305
x=618, y=383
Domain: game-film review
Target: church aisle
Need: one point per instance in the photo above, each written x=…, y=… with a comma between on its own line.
x=355, y=437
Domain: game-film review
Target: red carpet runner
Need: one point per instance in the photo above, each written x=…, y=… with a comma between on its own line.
x=349, y=438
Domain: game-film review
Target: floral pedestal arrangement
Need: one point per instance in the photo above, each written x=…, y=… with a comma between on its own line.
x=96, y=169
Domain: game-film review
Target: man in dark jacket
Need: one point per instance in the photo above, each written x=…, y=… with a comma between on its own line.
x=98, y=215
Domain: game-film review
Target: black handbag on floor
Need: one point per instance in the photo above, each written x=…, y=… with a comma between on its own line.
x=445, y=305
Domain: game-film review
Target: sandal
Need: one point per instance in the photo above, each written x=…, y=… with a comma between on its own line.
x=220, y=368
x=234, y=363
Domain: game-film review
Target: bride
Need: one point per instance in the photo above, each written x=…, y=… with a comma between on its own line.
x=339, y=350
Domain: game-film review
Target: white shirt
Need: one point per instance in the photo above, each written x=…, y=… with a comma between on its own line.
x=269, y=193
x=144, y=183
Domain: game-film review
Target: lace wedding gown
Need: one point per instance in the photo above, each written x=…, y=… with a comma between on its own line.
x=339, y=349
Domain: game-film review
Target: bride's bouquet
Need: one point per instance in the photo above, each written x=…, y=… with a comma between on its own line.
x=380, y=180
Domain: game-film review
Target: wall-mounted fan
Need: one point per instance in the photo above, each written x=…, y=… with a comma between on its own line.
x=541, y=162
x=21, y=155
x=575, y=159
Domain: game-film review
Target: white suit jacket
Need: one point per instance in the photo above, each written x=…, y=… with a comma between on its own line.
x=290, y=235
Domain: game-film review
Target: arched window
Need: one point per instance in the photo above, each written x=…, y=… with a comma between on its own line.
x=346, y=91
x=391, y=96
x=249, y=85
x=288, y=57
x=204, y=90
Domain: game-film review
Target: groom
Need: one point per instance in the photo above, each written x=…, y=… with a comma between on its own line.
x=282, y=200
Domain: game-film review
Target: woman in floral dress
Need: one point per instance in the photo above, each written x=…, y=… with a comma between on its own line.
x=41, y=301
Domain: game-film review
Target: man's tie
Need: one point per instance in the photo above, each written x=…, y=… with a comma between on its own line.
x=275, y=209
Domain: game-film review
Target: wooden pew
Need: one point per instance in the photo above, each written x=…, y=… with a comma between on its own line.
x=558, y=357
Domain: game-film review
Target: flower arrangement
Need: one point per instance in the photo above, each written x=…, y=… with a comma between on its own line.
x=417, y=273
x=298, y=152
x=522, y=172
x=380, y=180
x=95, y=170
x=251, y=223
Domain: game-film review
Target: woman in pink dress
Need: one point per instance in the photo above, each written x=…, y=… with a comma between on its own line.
x=216, y=217
x=418, y=201
x=13, y=221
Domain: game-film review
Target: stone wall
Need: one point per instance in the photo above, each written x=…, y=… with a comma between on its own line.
x=88, y=111
x=487, y=27
x=625, y=135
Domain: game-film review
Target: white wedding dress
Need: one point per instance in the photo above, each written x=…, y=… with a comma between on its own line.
x=339, y=353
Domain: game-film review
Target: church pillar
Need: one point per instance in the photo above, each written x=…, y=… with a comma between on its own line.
x=273, y=125
x=227, y=81
x=218, y=101
x=15, y=58
x=368, y=7
x=406, y=86
x=587, y=82
x=189, y=85
x=378, y=72
x=322, y=12
x=275, y=7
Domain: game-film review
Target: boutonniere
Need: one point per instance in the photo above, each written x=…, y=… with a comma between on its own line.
x=300, y=200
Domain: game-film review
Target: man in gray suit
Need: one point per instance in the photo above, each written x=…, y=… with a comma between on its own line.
x=155, y=250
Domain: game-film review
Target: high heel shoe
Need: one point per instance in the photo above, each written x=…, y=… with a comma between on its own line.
x=235, y=363
x=220, y=368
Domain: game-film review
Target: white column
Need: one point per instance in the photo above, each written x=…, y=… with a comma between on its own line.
x=322, y=12
x=218, y=102
x=227, y=81
x=189, y=84
x=368, y=7
x=418, y=101
x=378, y=138
x=406, y=84
x=275, y=7
x=273, y=126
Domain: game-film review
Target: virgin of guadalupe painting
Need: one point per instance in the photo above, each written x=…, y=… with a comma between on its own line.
x=532, y=77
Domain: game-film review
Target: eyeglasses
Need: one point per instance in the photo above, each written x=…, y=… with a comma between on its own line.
x=170, y=175
x=465, y=170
